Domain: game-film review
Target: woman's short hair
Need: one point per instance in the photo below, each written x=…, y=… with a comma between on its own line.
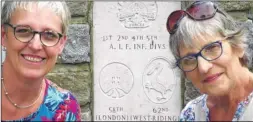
x=59, y=7
x=190, y=30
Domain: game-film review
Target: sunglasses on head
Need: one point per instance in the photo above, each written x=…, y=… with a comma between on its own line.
x=199, y=10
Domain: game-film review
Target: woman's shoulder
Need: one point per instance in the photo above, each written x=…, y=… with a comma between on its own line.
x=53, y=86
x=193, y=108
x=57, y=93
x=61, y=101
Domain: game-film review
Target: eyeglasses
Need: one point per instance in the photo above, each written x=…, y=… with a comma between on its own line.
x=209, y=52
x=199, y=10
x=26, y=34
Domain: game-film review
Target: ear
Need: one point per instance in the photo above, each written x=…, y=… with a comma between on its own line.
x=240, y=52
x=62, y=43
x=3, y=36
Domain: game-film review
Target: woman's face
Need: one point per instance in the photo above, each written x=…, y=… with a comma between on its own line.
x=218, y=76
x=32, y=60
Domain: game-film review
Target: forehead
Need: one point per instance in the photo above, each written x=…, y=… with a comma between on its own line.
x=36, y=17
x=31, y=5
x=196, y=44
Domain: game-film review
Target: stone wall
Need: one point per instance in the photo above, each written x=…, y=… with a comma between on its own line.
x=73, y=70
x=242, y=12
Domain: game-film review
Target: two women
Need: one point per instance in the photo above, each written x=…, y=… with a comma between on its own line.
x=34, y=34
x=210, y=51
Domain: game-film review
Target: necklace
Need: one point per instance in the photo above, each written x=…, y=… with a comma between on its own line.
x=15, y=104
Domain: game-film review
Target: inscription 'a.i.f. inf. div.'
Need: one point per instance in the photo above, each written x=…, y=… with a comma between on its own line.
x=136, y=42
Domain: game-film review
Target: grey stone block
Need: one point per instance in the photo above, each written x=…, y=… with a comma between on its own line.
x=190, y=92
x=86, y=116
x=227, y=5
x=77, y=48
x=78, y=8
x=234, y=5
x=249, y=26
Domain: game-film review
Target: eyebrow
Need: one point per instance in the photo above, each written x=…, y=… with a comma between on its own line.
x=191, y=53
x=44, y=29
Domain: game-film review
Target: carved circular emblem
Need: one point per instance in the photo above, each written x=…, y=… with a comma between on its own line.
x=137, y=14
x=116, y=80
x=159, y=80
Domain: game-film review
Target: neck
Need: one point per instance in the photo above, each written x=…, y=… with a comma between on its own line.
x=238, y=93
x=20, y=89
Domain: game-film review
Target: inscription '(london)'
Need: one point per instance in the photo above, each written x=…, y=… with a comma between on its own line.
x=130, y=117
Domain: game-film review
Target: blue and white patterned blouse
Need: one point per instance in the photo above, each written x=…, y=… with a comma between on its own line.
x=197, y=110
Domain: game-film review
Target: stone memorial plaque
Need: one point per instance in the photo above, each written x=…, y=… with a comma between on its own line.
x=133, y=78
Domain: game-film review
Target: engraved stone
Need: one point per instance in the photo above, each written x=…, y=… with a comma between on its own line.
x=159, y=86
x=116, y=80
x=133, y=78
x=77, y=48
x=137, y=14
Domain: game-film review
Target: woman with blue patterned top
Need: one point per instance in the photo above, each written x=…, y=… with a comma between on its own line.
x=210, y=50
x=34, y=34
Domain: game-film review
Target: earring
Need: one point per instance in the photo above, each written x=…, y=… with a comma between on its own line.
x=4, y=48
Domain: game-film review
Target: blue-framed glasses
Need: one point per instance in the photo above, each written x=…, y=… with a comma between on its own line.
x=209, y=52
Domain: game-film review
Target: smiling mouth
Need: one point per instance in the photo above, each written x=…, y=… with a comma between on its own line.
x=212, y=78
x=33, y=58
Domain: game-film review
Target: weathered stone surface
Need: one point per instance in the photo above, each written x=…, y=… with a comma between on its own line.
x=86, y=113
x=74, y=78
x=249, y=26
x=78, y=20
x=190, y=92
x=90, y=17
x=77, y=48
x=239, y=16
x=227, y=6
x=235, y=5
x=78, y=8
x=250, y=14
x=119, y=79
x=77, y=79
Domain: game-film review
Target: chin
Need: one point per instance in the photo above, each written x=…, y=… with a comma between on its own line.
x=218, y=92
x=33, y=74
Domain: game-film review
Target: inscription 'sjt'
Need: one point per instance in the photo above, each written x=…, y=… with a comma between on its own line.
x=137, y=14
x=116, y=80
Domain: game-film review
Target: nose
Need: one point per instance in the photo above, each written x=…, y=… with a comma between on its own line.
x=35, y=43
x=203, y=65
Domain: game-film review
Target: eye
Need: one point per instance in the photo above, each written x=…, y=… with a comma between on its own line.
x=23, y=30
x=50, y=35
x=213, y=47
x=189, y=60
